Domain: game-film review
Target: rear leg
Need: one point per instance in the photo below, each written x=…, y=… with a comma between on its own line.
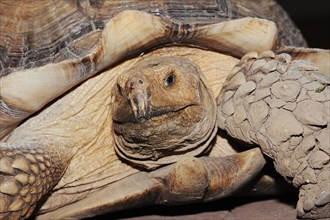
x=27, y=172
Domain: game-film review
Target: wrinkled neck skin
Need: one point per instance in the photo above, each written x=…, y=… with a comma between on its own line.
x=163, y=111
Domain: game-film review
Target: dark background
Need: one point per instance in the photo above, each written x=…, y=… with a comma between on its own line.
x=312, y=17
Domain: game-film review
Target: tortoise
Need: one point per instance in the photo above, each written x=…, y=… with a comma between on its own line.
x=80, y=84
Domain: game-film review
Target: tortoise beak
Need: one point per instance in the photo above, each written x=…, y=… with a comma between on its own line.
x=139, y=104
x=138, y=97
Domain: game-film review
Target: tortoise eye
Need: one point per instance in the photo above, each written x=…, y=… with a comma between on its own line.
x=170, y=80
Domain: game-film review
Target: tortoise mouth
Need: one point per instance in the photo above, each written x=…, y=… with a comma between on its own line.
x=158, y=113
x=153, y=113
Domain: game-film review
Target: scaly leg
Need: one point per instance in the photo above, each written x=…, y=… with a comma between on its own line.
x=27, y=172
x=283, y=106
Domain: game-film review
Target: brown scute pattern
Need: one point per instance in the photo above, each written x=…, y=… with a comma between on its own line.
x=283, y=106
x=44, y=32
x=35, y=33
x=26, y=174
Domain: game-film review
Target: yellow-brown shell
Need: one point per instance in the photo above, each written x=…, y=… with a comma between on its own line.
x=49, y=47
x=43, y=42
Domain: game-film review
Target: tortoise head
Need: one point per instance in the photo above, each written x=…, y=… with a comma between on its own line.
x=162, y=110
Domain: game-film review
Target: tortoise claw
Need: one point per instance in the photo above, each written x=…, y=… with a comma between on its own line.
x=231, y=173
x=190, y=180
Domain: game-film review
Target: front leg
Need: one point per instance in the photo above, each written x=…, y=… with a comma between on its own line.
x=209, y=178
x=283, y=106
x=27, y=172
x=190, y=180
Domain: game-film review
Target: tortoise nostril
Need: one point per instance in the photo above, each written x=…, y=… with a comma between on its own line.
x=136, y=82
